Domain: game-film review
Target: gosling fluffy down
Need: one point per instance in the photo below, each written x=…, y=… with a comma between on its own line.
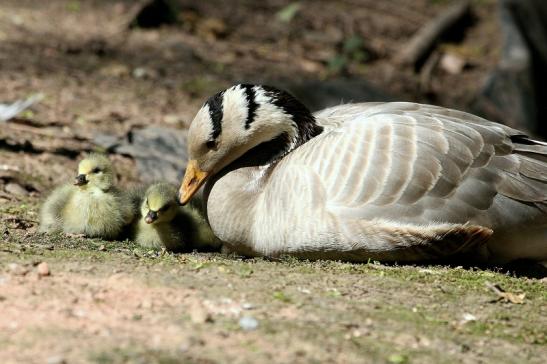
x=92, y=206
x=165, y=224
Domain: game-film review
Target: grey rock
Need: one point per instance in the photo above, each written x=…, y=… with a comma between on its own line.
x=160, y=153
x=248, y=323
x=56, y=360
x=247, y=306
x=15, y=189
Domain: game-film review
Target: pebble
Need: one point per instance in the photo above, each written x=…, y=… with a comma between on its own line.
x=172, y=119
x=56, y=360
x=247, y=306
x=17, y=269
x=452, y=63
x=43, y=269
x=465, y=319
x=199, y=315
x=248, y=323
x=146, y=304
x=16, y=189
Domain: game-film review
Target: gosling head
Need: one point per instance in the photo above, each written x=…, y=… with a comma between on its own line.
x=262, y=120
x=159, y=204
x=95, y=171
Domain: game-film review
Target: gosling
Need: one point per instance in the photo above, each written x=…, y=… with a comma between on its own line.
x=166, y=225
x=92, y=206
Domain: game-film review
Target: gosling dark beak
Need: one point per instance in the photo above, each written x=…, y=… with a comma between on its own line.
x=80, y=180
x=150, y=217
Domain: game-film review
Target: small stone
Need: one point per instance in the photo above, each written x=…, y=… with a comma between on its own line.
x=16, y=189
x=247, y=306
x=452, y=63
x=172, y=119
x=17, y=269
x=43, y=269
x=469, y=317
x=56, y=360
x=139, y=72
x=146, y=304
x=199, y=315
x=102, y=248
x=144, y=73
x=248, y=323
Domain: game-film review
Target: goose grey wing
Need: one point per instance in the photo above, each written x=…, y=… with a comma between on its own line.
x=418, y=163
x=333, y=117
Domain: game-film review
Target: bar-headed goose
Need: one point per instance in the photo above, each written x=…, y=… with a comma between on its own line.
x=388, y=181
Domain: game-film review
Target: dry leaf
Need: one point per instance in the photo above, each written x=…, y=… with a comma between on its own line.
x=506, y=296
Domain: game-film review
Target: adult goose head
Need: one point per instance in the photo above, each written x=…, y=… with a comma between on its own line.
x=244, y=125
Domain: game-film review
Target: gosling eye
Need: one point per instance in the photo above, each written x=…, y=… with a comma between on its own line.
x=211, y=145
x=164, y=208
x=96, y=170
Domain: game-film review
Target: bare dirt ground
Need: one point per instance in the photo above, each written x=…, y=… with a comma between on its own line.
x=112, y=302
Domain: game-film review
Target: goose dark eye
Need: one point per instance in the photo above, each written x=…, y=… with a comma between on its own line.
x=95, y=170
x=164, y=208
x=211, y=144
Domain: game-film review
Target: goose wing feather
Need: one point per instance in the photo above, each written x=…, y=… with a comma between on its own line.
x=420, y=163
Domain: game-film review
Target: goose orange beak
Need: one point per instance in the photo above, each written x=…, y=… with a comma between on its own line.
x=192, y=181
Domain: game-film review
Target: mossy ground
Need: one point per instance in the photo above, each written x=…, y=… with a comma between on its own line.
x=113, y=302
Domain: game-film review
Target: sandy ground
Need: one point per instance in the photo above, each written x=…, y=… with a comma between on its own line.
x=113, y=303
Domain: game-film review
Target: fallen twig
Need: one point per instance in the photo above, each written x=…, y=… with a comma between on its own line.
x=427, y=72
x=45, y=131
x=423, y=42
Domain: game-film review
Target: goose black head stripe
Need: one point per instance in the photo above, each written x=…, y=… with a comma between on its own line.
x=214, y=103
x=301, y=116
x=252, y=105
